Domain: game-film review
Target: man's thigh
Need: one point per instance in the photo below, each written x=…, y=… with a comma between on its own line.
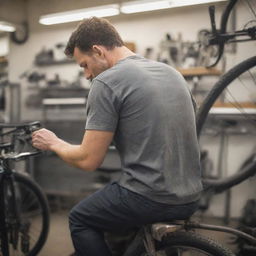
x=105, y=209
x=114, y=208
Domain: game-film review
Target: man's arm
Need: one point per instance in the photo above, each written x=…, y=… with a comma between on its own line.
x=87, y=156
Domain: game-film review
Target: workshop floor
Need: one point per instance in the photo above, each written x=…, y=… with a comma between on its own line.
x=59, y=241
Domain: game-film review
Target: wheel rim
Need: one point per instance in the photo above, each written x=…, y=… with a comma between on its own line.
x=245, y=82
x=239, y=98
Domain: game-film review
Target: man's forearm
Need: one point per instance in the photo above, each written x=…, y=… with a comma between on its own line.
x=87, y=156
x=71, y=154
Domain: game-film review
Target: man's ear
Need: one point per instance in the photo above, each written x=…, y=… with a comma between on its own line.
x=97, y=49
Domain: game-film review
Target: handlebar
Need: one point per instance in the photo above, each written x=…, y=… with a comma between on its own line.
x=20, y=156
x=219, y=37
x=19, y=144
x=19, y=125
x=28, y=128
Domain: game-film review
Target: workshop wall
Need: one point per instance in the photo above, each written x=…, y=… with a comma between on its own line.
x=145, y=30
x=13, y=11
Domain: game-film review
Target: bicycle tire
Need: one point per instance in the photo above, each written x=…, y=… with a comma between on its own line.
x=194, y=241
x=4, y=248
x=219, y=87
x=26, y=182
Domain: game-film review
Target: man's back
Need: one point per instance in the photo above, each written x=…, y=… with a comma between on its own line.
x=148, y=106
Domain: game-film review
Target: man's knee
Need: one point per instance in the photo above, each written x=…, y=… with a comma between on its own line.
x=80, y=214
x=75, y=218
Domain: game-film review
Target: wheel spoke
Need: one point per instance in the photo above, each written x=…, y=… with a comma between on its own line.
x=251, y=8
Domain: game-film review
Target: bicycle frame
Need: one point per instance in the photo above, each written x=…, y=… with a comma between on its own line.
x=150, y=234
x=7, y=179
x=161, y=229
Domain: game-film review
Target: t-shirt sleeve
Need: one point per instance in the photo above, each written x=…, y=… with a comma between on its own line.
x=102, y=108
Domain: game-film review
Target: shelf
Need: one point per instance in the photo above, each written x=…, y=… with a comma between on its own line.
x=3, y=62
x=63, y=89
x=199, y=71
x=3, y=59
x=232, y=111
x=54, y=62
x=229, y=108
x=63, y=101
x=63, y=92
x=246, y=104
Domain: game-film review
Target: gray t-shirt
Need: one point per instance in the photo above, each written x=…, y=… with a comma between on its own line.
x=148, y=106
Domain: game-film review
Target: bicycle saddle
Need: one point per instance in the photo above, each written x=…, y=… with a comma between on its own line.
x=159, y=229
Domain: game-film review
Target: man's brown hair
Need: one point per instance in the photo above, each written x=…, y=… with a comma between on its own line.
x=93, y=31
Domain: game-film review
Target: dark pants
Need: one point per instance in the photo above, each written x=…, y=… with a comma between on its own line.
x=115, y=208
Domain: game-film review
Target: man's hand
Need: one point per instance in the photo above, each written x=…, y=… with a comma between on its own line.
x=44, y=139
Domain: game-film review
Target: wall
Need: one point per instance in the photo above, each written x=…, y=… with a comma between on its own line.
x=146, y=30
x=13, y=11
x=4, y=46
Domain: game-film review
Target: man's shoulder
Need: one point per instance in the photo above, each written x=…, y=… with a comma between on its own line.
x=118, y=73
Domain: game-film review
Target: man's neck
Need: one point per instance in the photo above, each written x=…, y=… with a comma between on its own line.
x=119, y=53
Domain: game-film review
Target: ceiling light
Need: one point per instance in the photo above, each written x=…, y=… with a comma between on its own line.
x=76, y=15
x=8, y=27
x=144, y=6
x=179, y=3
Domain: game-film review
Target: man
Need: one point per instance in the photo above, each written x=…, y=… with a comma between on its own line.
x=146, y=108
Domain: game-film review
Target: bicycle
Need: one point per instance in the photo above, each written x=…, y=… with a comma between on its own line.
x=24, y=215
x=178, y=237
x=246, y=69
x=241, y=76
x=218, y=38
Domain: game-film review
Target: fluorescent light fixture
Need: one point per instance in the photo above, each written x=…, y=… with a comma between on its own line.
x=144, y=6
x=8, y=27
x=76, y=15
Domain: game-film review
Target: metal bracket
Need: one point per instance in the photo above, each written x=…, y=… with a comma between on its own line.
x=161, y=229
x=149, y=241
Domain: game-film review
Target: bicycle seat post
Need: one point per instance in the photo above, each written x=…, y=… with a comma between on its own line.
x=149, y=241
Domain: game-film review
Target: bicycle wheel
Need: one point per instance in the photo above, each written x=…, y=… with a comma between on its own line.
x=190, y=244
x=27, y=216
x=240, y=80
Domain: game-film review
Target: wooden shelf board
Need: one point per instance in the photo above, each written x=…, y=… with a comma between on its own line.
x=199, y=71
x=54, y=62
x=231, y=109
x=233, y=105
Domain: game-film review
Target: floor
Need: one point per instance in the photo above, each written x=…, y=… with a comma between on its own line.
x=59, y=241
